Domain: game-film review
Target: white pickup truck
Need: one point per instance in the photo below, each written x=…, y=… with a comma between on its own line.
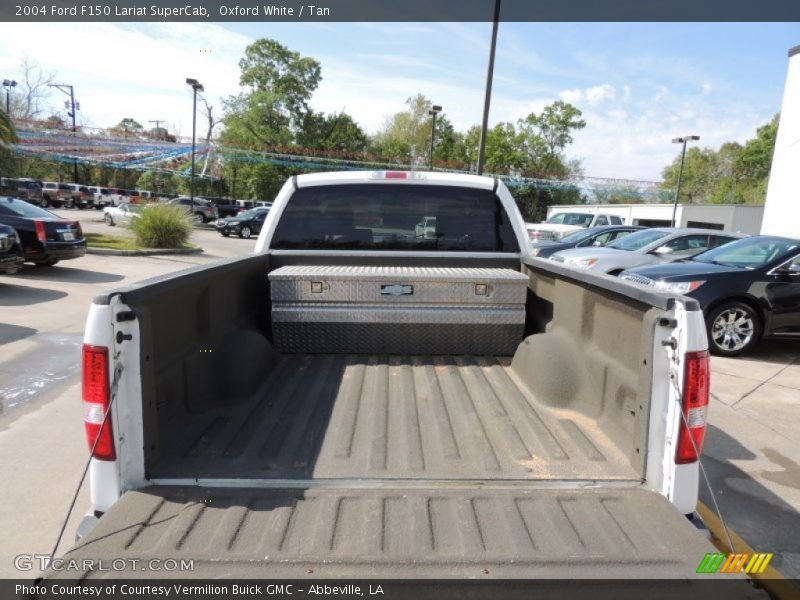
x=363, y=401
x=563, y=223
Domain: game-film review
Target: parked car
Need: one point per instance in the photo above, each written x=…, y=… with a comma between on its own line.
x=748, y=289
x=594, y=236
x=11, y=256
x=644, y=247
x=46, y=237
x=55, y=194
x=201, y=210
x=426, y=228
x=244, y=224
x=23, y=188
x=225, y=207
x=563, y=223
x=101, y=197
x=81, y=196
x=122, y=214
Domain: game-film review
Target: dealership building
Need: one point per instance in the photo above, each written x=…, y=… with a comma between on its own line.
x=744, y=218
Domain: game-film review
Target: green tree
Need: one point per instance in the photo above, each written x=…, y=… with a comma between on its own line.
x=330, y=132
x=544, y=137
x=8, y=134
x=406, y=135
x=268, y=66
x=128, y=127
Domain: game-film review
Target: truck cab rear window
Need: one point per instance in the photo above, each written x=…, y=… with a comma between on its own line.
x=394, y=217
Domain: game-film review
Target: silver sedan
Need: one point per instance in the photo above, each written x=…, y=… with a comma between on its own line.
x=122, y=214
x=645, y=247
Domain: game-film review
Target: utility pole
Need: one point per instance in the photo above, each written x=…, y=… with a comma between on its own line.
x=158, y=123
x=435, y=110
x=71, y=93
x=681, y=140
x=488, y=96
x=196, y=87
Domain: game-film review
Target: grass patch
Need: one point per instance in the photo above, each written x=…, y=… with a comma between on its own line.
x=117, y=242
x=162, y=226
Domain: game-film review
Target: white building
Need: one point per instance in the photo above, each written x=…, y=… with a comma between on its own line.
x=782, y=209
x=744, y=218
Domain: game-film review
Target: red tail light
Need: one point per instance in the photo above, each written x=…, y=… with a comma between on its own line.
x=396, y=175
x=95, y=402
x=696, y=386
x=40, y=233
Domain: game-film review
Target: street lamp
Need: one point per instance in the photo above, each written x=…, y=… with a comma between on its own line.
x=196, y=87
x=435, y=110
x=681, y=140
x=73, y=106
x=8, y=84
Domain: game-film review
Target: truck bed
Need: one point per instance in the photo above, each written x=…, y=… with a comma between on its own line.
x=382, y=417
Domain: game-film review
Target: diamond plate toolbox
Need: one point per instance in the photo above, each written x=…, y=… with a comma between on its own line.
x=397, y=310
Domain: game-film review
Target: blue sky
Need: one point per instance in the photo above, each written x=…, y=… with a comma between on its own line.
x=638, y=84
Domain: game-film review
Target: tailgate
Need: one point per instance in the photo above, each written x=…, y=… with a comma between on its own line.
x=442, y=531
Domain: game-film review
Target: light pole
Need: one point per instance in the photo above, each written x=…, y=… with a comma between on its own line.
x=196, y=86
x=72, y=106
x=488, y=95
x=435, y=110
x=8, y=84
x=681, y=140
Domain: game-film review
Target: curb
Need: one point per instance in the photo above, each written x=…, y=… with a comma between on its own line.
x=154, y=252
x=772, y=580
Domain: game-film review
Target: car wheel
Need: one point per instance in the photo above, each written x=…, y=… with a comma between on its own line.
x=245, y=232
x=109, y=219
x=225, y=233
x=46, y=263
x=198, y=218
x=733, y=328
x=44, y=203
x=69, y=204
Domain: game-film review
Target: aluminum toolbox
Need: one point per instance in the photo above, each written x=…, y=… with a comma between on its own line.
x=397, y=310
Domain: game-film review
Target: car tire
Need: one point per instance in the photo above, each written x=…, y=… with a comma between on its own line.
x=45, y=202
x=245, y=232
x=109, y=220
x=198, y=218
x=733, y=328
x=225, y=233
x=69, y=204
x=46, y=263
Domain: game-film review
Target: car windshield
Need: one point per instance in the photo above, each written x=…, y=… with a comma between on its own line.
x=248, y=214
x=578, y=236
x=638, y=240
x=580, y=219
x=748, y=253
x=24, y=209
x=134, y=208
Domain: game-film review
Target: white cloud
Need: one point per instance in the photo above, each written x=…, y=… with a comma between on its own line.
x=661, y=93
x=626, y=91
x=706, y=89
x=571, y=96
x=599, y=93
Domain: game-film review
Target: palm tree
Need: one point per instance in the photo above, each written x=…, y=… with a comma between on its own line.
x=7, y=134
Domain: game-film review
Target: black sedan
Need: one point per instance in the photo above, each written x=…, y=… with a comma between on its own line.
x=46, y=237
x=245, y=224
x=593, y=236
x=11, y=257
x=748, y=289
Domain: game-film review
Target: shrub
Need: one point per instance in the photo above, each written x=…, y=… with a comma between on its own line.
x=162, y=226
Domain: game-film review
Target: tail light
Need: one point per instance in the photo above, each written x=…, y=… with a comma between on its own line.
x=95, y=402
x=40, y=232
x=696, y=388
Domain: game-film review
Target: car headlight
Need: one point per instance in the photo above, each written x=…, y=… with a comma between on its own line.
x=678, y=287
x=534, y=251
x=581, y=263
x=557, y=235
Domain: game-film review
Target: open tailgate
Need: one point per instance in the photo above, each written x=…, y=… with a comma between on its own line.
x=391, y=530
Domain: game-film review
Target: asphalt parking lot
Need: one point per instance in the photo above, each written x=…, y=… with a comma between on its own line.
x=752, y=442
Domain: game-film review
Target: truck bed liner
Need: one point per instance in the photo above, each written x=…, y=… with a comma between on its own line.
x=391, y=417
x=436, y=532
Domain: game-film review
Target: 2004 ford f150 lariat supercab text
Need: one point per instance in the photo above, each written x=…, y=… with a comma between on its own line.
x=376, y=403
